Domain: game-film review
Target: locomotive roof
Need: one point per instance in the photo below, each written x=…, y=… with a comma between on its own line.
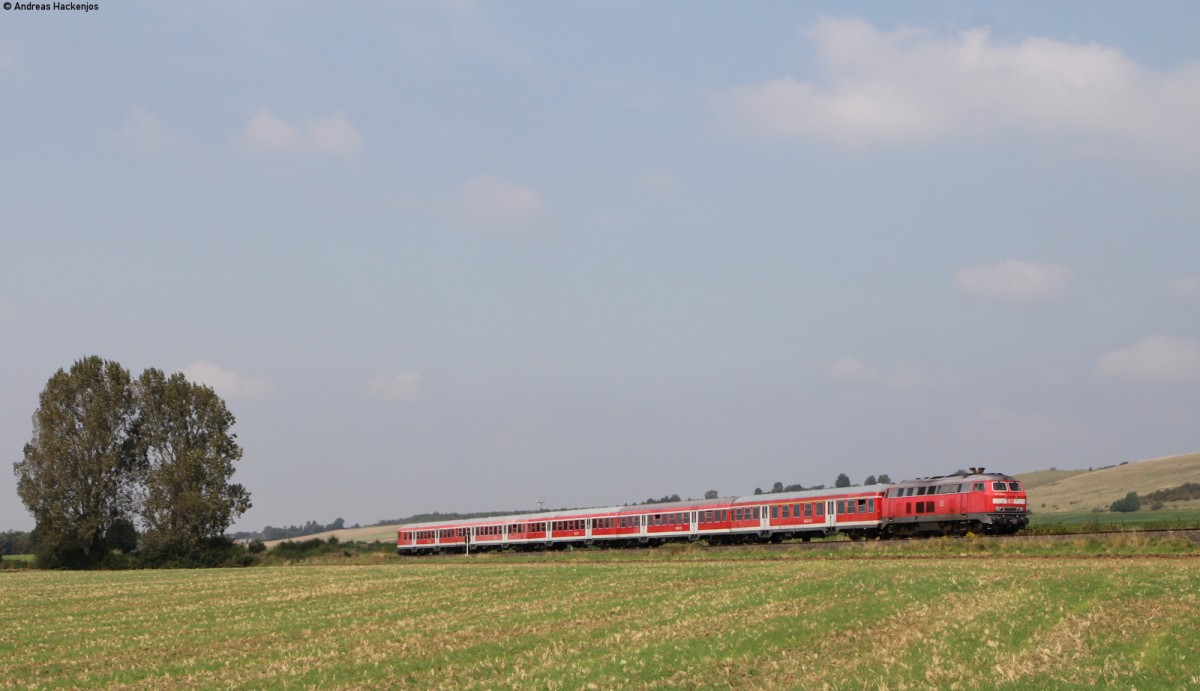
x=944, y=479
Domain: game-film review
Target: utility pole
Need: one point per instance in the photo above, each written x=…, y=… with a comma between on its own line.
x=541, y=506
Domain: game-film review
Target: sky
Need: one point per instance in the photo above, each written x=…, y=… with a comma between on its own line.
x=448, y=256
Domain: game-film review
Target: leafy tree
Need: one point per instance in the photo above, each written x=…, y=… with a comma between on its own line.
x=109, y=453
x=885, y=479
x=1132, y=502
x=758, y=490
x=777, y=488
x=712, y=494
x=870, y=480
x=189, y=451
x=78, y=476
x=843, y=480
x=794, y=488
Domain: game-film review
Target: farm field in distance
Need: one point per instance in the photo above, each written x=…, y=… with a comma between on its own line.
x=880, y=618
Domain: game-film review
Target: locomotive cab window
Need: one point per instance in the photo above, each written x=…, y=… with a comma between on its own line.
x=999, y=487
x=1014, y=487
x=977, y=487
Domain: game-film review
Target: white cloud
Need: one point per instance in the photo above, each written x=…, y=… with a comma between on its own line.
x=228, y=383
x=333, y=135
x=498, y=203
x=910, y=85
x=405, y=386
x=142, y=130
x=1154, y=358
x=658, y=180
x=1184, y=288
x=1014, y=280
x=851, y=369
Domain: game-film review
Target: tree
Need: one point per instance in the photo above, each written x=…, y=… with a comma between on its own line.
x=870, y=480
x=712, y=494
x=777, y=488
x=110, y=455
x=78, y=476
x=885, y=479
x=758, y=491
x=189, y=451
x=1132, y=502
x=843, y=480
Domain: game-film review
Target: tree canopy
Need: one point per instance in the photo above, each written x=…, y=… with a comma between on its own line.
x=111, y=455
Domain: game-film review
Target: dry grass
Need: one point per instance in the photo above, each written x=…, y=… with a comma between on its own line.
x=564, y=622
x=1099, y=488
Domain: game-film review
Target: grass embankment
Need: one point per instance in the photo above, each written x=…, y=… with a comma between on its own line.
x=643, y=618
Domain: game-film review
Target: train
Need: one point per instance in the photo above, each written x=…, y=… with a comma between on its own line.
x=971, y=501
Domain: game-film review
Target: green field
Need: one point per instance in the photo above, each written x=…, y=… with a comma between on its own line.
x=1090, y=521
x=877, y=619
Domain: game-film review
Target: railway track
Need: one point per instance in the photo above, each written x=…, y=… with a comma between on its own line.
x=1190, y=534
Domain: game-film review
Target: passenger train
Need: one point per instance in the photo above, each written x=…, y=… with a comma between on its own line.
x=976, y=502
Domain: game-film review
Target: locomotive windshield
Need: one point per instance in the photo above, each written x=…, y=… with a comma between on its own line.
x=1014, y=487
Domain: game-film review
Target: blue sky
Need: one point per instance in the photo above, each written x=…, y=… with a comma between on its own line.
x=457, y=256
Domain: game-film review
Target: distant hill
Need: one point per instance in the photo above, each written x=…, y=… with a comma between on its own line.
x=1057, y=491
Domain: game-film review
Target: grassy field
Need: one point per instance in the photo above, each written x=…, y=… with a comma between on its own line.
x=1090, y=521
x=879, y=618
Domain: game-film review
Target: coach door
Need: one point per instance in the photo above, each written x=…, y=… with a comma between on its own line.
x=830, y=512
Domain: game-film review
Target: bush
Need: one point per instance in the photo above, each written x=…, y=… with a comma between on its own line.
x=1129, y=504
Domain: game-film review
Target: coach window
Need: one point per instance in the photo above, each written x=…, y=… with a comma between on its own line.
x=787, y=510
x=820, y=509
x=737, y=514
x=685, y=518
x=841, y=506
x=757, y=512
x=807, y=510
x=850, y=506
x=775, y=511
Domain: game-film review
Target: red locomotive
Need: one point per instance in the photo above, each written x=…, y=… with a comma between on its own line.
x=979, y=502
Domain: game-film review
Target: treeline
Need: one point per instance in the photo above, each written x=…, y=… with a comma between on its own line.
x=1184, y=492
x=287, y=532
x=16, y=542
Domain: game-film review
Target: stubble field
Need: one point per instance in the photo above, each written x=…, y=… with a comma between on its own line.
x=560, y=621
